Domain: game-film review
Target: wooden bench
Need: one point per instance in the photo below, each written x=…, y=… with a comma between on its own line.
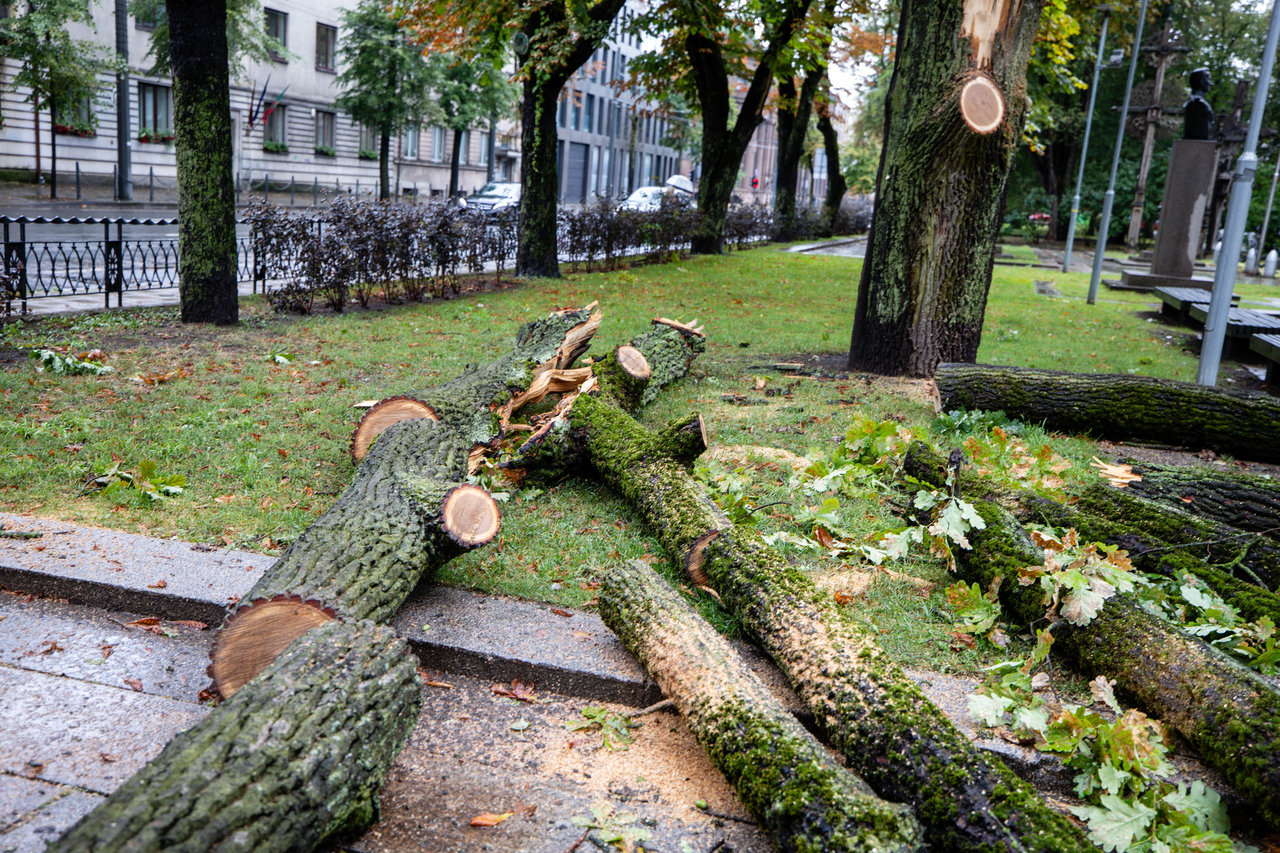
x=1268, y=346
x=1242, y=324
x=1177, y=301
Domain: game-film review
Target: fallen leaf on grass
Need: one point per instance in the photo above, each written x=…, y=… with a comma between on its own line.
x=489, y=819
x=519, y=690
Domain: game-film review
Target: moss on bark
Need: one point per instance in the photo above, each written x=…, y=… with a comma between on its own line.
x=792, y=785
x=1243, y=501
x=295, y=758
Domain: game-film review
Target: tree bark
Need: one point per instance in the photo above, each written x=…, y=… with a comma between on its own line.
x=455, y=160
x=384, y=164
x=202, y=124
x=1245, y=424
x=874, y=715
x=794, y=110
x=923, y=292
x=1229, y=714
x=1243, y=501
x=836, y=184
x=784, y=777
x=294, y=759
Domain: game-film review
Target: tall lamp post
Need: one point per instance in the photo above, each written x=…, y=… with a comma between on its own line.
x=1105, y=9
x=124, y=137
x=1224, y=278
x=1105, y=224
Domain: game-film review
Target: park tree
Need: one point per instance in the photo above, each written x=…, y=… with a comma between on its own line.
x=705, y=50
x=384, y=78
x=59, y=72
x=953, y=120
x=198, y=62
x=552, y=39
x=824, y=106
x=466, y=93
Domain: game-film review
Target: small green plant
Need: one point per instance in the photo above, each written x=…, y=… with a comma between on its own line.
x=272, y=146
x=65, y=364
x=614, y=728
x=612, y=827
x=1186, y=601
x=143, y=486
x=280, y=357
x=326, y=151
x=367, y=154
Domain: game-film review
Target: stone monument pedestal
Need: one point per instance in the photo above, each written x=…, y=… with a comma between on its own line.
x=1187, y=191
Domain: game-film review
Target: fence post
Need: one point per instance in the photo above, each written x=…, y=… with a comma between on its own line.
x=15, y=263
x=115, y=183
x=77, y=180
x=315, y=192
x=266, y=186
x=293, y=179
x=114, y=258
x=151, y=183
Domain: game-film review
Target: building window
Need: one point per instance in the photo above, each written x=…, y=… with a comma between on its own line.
x=564, y=112
x=326, y=47
x=155, y=110
x=576, y=124
x=483, y=159
x=369, y=142
x=409, y=144
x=275, y=137
x=437, y=144
x=325, y=122
x=464, y=147
x=591, y=112
x=278, y=29
x=146, y=16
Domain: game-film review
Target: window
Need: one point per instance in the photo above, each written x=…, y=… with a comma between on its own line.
x=577, y=111
x=324, y=132
x=147, y=15
x=278, y=29
x=155, y=109
x=483, y=159
x=276, y=135
x=437, y=144
x=409, y=144
x=464, y=146
x=369, y=140
x=564, y=112
x=591, y=111
x=326, y=47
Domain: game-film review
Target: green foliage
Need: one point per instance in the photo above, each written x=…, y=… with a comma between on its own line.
x=65, y=364
x=57, y=70
x=616, y=828
x=141, y=487
x=1186, y=601
x=614, y=728
x=325, y=151
x=274, y=146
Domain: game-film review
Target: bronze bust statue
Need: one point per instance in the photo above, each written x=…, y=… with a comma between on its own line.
x=1198, y=115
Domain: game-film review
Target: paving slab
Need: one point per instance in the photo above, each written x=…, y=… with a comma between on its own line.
x=78, y=733
x=33, y=832
x=125, y=571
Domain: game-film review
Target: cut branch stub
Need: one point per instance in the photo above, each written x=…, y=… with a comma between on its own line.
x=633, y=362
x=470, y=516
x=387, y=412
x=696, y=559
x=981, y=104
x=255, y=635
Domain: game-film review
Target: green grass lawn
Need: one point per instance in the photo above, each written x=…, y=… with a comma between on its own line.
x=258, y=418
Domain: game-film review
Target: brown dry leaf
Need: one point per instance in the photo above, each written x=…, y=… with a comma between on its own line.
x=134, y=683
x=191, y=623
x=825, y=539
x=443, y=685
x=147, y=623
x=1117, y=475
x=583, y=634
x=107, y=649
x=557, y=611
x=160, y=584
x=224, y=499
x=489, y=818
x=519, y=690
x=284, y=454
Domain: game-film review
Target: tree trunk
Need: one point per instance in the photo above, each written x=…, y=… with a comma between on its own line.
x=295, y=758
x=836, y=185
x=536, y=254
x=384, y=164
x=455, y=160
x=53, y=149
x=875, y=716
x=943, y=173
x=1118, y=406
x=202, y=124
x=784, y=777
x=793, y=114
x=1229, y=714
x=1242, y=501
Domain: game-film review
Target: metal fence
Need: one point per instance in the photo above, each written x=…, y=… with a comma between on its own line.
x=69, y=256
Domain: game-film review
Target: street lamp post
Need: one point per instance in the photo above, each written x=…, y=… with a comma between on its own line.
x=1224, y=278
x=124, y=139
x=1105, y=224
x=1105, y=9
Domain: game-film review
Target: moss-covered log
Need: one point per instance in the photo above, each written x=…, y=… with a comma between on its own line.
x=874, y=715
x=1229, y=714
x=295, y=758
x=788, y=780
x=1243, y=501
x=1148, y=551
x=1242, y=423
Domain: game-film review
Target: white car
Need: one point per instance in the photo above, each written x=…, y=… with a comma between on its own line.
x=650, y=198
x=496, y=196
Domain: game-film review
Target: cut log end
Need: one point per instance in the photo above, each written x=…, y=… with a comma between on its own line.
x=633, y=362
x=470, y=516
x=257, y=633
x=696, y=559
x=982, y=104
x=387, y=412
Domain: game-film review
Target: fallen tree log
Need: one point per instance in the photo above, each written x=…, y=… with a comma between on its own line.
x=1120, y=407
x=1225, y=711
x=784, y=777
x=874, y=715
x=1148, y=552
x=1243, y=501
x=294, y=759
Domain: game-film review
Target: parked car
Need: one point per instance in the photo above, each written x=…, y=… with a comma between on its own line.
x=496, y=196
x=650, y=198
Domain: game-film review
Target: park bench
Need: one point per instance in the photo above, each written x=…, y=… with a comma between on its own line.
x=1242, y=323
x=1177, y=301
x=1268, y=346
